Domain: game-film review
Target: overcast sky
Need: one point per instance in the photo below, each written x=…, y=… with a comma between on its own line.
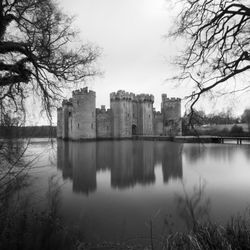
x=130, y=33
x=135, y=56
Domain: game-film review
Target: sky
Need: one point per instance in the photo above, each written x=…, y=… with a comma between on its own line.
x=135, y=55
x=131, y=36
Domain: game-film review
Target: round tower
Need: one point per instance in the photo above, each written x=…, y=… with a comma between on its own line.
x=66, y=113
x=145, y=114
x=84, y=114
x=171, y=110
x=121, y=104
x=59, y=123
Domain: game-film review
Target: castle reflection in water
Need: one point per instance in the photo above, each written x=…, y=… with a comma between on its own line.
x=129, y=162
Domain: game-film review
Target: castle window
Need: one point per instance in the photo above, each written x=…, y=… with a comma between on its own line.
x=69, y=114
x=71, y=124
x=149, y=116
x=128, y=115
x=77, y=102
x=92, y=126
x=78, y=125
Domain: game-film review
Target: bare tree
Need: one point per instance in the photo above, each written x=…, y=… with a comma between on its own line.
x=217, y=34
x=37, y=53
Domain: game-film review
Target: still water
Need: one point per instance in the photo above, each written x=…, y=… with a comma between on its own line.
x=113, y=190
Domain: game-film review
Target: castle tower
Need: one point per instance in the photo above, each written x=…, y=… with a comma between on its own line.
x=171, y=110
x=83, y=125
x=121, y=104
x=59, y=123
x=145, y=114
x=104, y=123
x=66, y=113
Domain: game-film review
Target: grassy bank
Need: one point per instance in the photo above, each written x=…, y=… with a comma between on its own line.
x=23, y=228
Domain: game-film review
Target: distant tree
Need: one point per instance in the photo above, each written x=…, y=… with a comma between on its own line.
x=246, y=118
x=38, y=54
x=218, y=48
x=198, y=117
x=236, y=130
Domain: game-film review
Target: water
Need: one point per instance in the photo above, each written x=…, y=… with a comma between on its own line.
x=111, y=190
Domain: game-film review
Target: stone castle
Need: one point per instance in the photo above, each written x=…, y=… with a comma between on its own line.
x=129, y=115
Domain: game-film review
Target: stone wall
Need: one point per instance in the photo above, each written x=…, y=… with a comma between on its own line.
x=59, y=123
x=84, y=114
x=103, y=123
x=135, y=116
x=171, y=109
x=121, y=104
x=128, y=114
x=145, y=114
x=66, y=108
x=158, y=123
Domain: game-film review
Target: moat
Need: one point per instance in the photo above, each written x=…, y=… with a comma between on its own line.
x=111, y=190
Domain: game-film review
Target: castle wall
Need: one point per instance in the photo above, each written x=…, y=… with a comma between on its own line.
x=147, y=118
x=171, y=109
x=70, y=121
x=103, y=123
x=158, y=123
x=84, y=114
x=65, y=119
x=145, y=114
x=129, y=115
x=135, y=113
x=122, y=112
x=59, y=123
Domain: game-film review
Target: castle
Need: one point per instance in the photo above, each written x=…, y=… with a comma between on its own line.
x=129, y=115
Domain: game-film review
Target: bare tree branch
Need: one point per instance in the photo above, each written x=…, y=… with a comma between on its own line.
x=217, y=34
x=36, y=50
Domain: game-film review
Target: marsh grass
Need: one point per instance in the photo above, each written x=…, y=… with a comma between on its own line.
x=23, y=228
x=235, y=235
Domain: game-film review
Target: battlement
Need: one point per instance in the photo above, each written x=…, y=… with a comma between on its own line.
x=144, y=98
x=78, y=117
x=83, y=91
x=103, y=110
x=157, y=113
x=66, y=102
x=172, y=99
x=122, y=95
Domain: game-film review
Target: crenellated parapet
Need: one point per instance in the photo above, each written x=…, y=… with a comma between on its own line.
x=122, y=95
x=157, y=113
x=66, y=102
x=129, y=114
x=144, y=98
x=83, y=91
x=103, y=110
x=172, y=99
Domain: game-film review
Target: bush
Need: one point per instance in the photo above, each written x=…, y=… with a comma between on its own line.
x=236, y=130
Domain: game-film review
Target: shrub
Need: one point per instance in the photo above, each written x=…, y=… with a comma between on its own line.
x=236, y=130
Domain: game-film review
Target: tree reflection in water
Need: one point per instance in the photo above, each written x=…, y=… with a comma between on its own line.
x=193, y=208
